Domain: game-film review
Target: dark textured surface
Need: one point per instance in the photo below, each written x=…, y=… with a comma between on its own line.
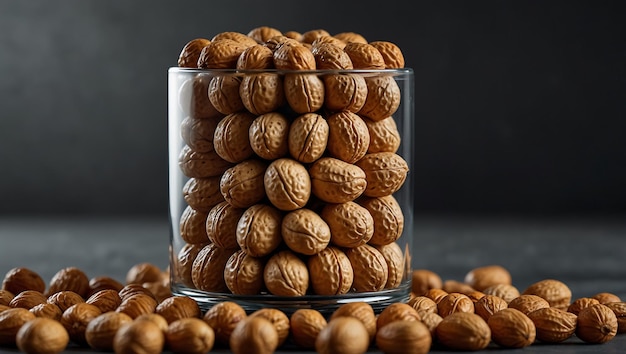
x=586, y=253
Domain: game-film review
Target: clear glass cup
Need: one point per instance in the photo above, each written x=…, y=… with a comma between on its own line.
x=245, y=152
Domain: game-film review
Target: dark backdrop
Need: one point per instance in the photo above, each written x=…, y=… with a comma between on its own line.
x=520, y=105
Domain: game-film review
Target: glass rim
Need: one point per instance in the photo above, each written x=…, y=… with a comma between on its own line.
x=398, y=71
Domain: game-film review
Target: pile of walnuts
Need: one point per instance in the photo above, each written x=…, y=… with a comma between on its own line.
x=141, y=316
x=291, y=164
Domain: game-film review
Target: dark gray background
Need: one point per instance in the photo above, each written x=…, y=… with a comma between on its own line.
x=520, y=105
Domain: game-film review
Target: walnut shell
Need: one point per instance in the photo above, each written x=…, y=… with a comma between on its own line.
x=278, y=319
x=364, y=56
x=311, y=35
x=42, y=335
x=619, y=308
x=454, y=302
x=308, y=137
x=424, y=280
x=528, y=303
x=384, y=135
x=285, y=274
x=387, y=217
x=557, y=293
x=336, y=181
x=223, y=317
x=235, y=36
x=27, y=299
x=330, y=56
x=176, y=307
x=256, y=335
x=223, y=92
x=385, y=173
x=327, y=40
x=396, y=264
x=360, y=310
x=190, y=335
x=192, y=226
x=243, y=273
x=189, y=55
x=344, y=92
x=391, y=53
x=231, y=140
x=505, y=291
x=69, y=278
x=383, y=97
x=263, y=33
x=553, y=325
x=101, y=330
x=510, y=328
x=404, y=337
x=305, y=325
x=342, y=335
x=193, y=98
x=464, y=331
x=397, y=311
x=207, y=271
x=198, y=133
x=287, y=184
x=351, y=225
x=269, y=134
x=242, y=185
x=256, y=57
x=481, y=278
x=106, y=300
x=221, y=225
x=221, y=53
x=143, y=272
x=423, y=304
x=596, y=324
x=137, y=305
x=6, y=297
x=76, y=318
x=330, y=272
x=11, y=321
x=305, y=232
x=605, y=297
x=202, y=194
x=348, y=138
x=292, y=56
x=46, y=310
x=142, y=336
x=348, y=37
x=370, y=268
x=262, y=93
x=576, y=306
x=64, y=299
x=196, y=164
x=488, y=305
x=258, y=230
x=304, y=92
x=184, y=262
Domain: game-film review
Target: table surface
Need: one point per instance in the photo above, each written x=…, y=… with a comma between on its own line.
x=585, y=252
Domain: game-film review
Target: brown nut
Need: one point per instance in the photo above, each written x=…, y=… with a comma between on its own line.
x=463, y=331
x=285, y=274
x=6, y=297
x=101, y=330
x=308, y=137
x=305, y=325
x=311, y=35
x=223, y=92
x=189, y=55
x=396, y=264
x=388, y=219
x=133, y=289
x=336, y=181
x=263, y=33
x=483, y=277
x=275, y=42
x=262, y=93
x=231, y=140
x=269, y=135
x=330, y=56
x=19, y=279
x=454, y=286
x=184, y=261
x=596, y=324
x=385, y=173
x=384, y=135
x=431, y=320
x=292, y=56
x=11, y=321
x=47, y=310
x=383, y=97
x=202, y=194
x=223, y=317
x=193, y=226
x=190, y=335
x=364, y=56
x=198, y=133
x=343, y=335
x=139, y=337
x=619, y=308
x=454, y=302
x=242, y=185
x=76, y=318
x=193, y=99
x=27, y=299
x=287, y=184
x=142, y=273
x=304, y=92
x=235, y=36
x=528, y=303
x=348, y=136
x=305, y=232
x=330, y=272
x=326, y=40
x=221, y=225
x=404, y=337
x=207, y=271
x=243, y=273
x=106, y=300
x=424, y=280
x=103, y=282
x=256, y=57
x=196, y=164
x=278, y=319
x=258, y=230
x=177, y=307
x=348, y=37
x=510, y=328
x=576, y=306
x=221, y=53
x=137, y=305
x=557, y=293
x=370, y=268
x=436, y=294
x=69, y=278
x=606, y=297
x=553, y=325
x=397, y=311
x=391, y=53
x=254, y=335
x=488, y=305
x=505, y=291
x=351, y=225
x=360, y=310
x=43, y=336
x=64, y=299
x=423, y=304
x=344, y=92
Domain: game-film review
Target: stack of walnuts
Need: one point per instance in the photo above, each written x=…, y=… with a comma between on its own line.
x=291, y=159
